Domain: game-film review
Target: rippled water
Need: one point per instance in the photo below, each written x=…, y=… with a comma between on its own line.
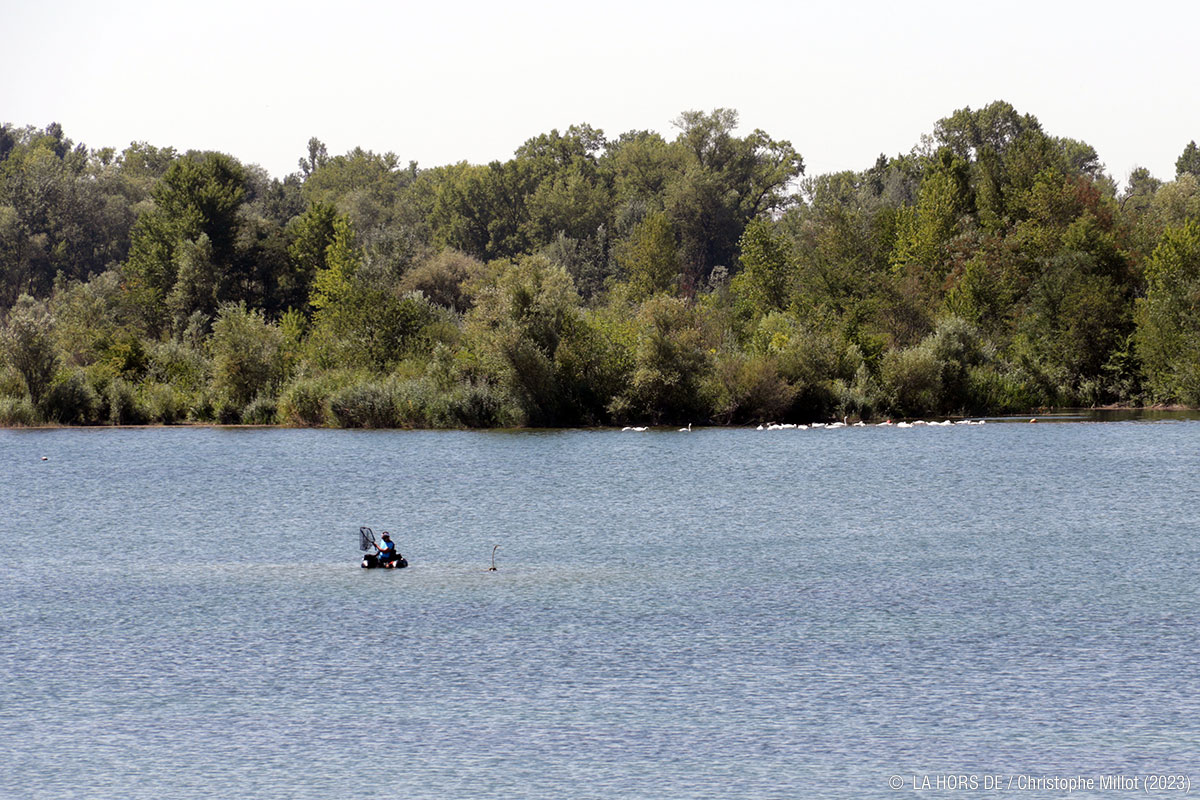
x=720, y=614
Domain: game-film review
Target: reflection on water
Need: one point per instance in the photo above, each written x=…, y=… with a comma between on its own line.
x=1107, y=415
x=725, y=613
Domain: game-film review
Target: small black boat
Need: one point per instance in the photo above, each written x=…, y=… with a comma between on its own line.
x=373, y=561
x=376, y=560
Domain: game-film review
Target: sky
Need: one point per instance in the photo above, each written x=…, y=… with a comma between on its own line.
x=441, y=82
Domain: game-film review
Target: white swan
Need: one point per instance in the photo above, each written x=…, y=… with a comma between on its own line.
x=688, y=429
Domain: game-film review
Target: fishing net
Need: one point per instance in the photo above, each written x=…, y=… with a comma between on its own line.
x=366, y=538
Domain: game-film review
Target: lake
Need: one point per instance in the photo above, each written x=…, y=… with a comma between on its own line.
x=725, y=613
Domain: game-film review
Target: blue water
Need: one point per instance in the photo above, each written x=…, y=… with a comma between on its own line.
x=720, y=614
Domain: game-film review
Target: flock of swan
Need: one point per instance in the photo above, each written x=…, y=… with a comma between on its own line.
x=644, y=428
x=775, y=426
x=772, y=426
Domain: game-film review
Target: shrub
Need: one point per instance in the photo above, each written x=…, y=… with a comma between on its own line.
x=956, y=344
x=71, y=401
x=163, y=403
x=305, y=401
x=999, y=392
x=247, y=354
x=262, y=410
x=670, y=364
x=417, y=402
x=200, y=407
x=26, y=341
x=123, y=405
x=1168, y=318
x=935, y=376
x=912, y=379
x=365, y=405
x=862, y=397
x=11, y=382
x=16, y=412
x=442, y=279
x=809, y=359
x=226, y=411
x=474, y=405
x=424, y=402
x=746, y=388
x=178, y=364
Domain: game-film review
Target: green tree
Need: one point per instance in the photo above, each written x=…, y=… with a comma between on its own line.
x=247, y=355
x=567, y=191
x=649, y=256
x=574, y=202
x=480, y=210
x=521, y=318
x=1073, y=321
x=28, y=345
x=318, y=156
x=62, y=211
x=342, y=180
x=311, y=236
x=195, y=289
x=996, y=127
x=642, y=165
x=1141, y=189
x=332, y=282
x=726, y=181
x=924, y=233
x=443, y=278
x=1168, y=319
x=768, y=273
x=1172, y=206
x=198, y=196
x=671, y=365
x=376, y=192
x=371, y=328
x=1189, y=161
x=357, y=321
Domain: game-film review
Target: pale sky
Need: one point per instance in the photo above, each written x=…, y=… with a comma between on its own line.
x=450, y=81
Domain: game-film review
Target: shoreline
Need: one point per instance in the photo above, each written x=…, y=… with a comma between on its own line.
x=1041, y=414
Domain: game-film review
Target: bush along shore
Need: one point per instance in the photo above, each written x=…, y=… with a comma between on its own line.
x=644, y=279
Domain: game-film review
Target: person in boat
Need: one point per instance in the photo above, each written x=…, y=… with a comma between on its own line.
x=387, y=550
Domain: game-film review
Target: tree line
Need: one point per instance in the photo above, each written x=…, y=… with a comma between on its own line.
x=594, y=281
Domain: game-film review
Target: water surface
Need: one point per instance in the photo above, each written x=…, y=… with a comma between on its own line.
x=725, y=613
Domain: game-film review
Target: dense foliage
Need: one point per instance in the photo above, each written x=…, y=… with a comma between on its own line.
x=592, y=281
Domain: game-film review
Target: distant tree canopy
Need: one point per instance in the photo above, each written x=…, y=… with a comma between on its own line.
x=697, y=276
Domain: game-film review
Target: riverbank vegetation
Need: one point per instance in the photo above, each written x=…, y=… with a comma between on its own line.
x=591, y=280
